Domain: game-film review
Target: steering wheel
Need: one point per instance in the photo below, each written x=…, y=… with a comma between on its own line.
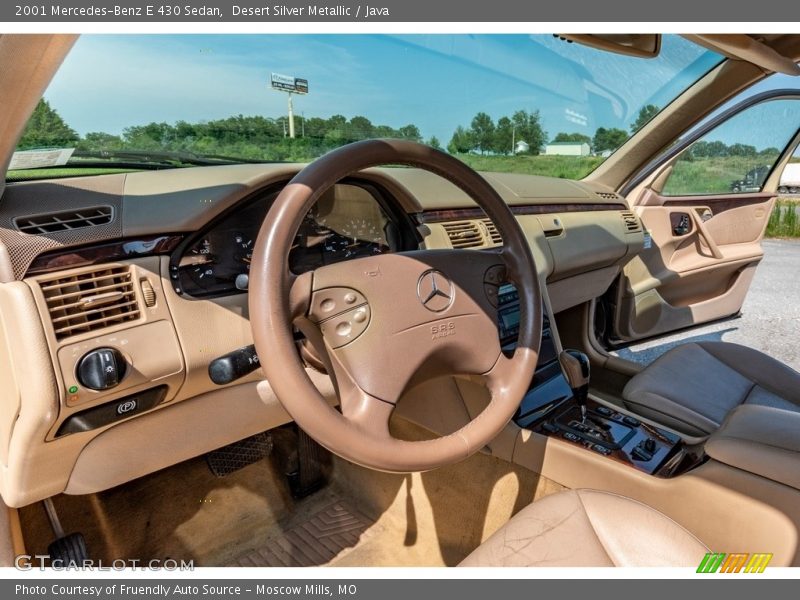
x=385, y=322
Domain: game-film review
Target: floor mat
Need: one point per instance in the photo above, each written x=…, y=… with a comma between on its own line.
x=319, y=539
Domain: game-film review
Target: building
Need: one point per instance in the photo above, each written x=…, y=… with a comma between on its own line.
x=567, y=149
x=522, y=147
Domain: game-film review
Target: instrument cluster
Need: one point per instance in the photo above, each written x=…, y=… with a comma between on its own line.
x=346, y=223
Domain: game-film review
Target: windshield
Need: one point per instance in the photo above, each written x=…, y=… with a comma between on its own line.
x=515, y=103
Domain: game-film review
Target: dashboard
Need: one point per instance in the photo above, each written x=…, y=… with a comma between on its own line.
x=347, y=222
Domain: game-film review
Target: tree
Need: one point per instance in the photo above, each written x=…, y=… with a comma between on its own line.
x=46, y=129
x=647, y=112
x=572, y=137
x=410, y=132
x=461, y=142
x=433, y=142
x=97, y=140
x=482, y=129
x=504, y=136
x=608, y=139
x=742, y=150
x=529, y=129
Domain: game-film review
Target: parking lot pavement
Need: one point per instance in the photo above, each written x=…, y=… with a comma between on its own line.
x=770, y=319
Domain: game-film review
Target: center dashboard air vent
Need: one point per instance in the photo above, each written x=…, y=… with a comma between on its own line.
x=65, y=220
x=464, y=234
x=90, y=300
x=492, y=232
x=632, y=222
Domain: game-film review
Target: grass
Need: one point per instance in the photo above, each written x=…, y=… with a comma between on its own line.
x=54, y=172
x=564, y=167
x=784, y=221
x=711, y=175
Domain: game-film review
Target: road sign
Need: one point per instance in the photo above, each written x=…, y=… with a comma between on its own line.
x=285, y=83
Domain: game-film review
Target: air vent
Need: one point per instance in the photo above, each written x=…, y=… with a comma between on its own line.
x=65, y=221
x=608, y=195
x=632, y=223
x=491, y=229
x=90, y=301
x=464, y=234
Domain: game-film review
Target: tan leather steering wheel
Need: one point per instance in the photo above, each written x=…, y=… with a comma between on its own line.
x=387, y=321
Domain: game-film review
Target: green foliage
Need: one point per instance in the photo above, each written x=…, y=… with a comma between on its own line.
x=486, y=137
x=461, y=142
x=434, y=142
x=528, y=126
x=608, y=139
x=572, y=137
x=646, y=113
x=709, y=175
x=482, y=129
x=46, y=129
x=784, y=222
x=249, y=137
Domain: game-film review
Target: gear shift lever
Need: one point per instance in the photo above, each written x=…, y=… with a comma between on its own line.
x=575, y=365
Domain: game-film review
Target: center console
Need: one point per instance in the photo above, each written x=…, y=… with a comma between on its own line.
x=557, y=404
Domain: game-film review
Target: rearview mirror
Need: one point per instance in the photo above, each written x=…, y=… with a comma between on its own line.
x=641, y=45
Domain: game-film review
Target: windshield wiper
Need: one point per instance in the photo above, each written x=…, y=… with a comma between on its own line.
x=156, y=159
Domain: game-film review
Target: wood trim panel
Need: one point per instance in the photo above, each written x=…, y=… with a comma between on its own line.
x=106, y=252
x=718, y=204
x=439, y=216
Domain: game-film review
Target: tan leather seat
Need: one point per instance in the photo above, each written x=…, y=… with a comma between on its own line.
x=588, y=528
x=693, y=388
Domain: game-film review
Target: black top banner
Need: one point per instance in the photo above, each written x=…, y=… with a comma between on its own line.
x=459, y=11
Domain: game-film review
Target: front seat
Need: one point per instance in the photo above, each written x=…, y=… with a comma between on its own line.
x=588, y=528
x=694, y=386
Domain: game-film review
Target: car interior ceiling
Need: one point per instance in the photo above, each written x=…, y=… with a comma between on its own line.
x=137, y=413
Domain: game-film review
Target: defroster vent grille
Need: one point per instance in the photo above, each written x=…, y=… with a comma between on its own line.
x=65, y=220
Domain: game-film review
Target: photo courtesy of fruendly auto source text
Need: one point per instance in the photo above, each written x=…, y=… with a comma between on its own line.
x=379, y=299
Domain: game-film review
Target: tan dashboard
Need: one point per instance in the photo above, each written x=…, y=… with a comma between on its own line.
x=104, y=360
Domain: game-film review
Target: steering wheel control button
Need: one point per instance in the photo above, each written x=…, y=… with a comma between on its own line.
x=492, y=280
x=330, y=302
x=435, y=290
x=346, y=327
x=495, y=275
x=101, y=369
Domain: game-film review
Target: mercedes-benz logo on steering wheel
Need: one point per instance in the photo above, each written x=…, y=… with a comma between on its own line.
x=435, y=291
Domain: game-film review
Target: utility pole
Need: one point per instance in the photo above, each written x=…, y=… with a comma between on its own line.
x=291, y=117
x=513, y=138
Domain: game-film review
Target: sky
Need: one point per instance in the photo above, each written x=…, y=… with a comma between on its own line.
x=436, y=82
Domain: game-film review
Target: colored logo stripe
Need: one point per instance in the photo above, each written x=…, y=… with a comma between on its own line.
x=714, y=562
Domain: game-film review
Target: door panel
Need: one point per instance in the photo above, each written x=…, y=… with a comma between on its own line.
x=698, y=268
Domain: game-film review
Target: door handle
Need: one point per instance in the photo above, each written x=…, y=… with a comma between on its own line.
x=699, y=222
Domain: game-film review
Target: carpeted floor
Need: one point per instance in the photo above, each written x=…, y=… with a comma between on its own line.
x=362, y=518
